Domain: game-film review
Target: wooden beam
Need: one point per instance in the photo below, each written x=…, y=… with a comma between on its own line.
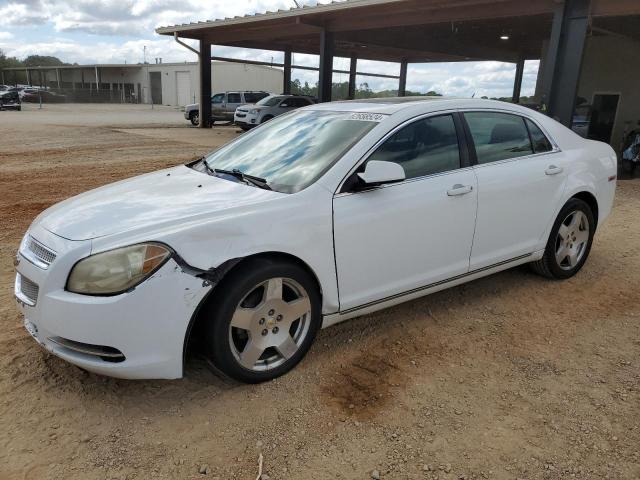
x=614, y=8
x=451, y=46
x=517, y=84
x=402, y=84
x=326, y=66
x=371, y=52
x=287, y=73
x=427, y=14
x=204, y=64
x=264, y=32
x=353, y=72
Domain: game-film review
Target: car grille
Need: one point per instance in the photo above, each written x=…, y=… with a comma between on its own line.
x=29, y=289
x=39, y=252
x=241, y=115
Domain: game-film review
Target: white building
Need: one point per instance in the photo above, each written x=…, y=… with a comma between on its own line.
x=173, y=84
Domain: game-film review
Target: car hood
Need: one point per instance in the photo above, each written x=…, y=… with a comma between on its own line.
x=158, y=199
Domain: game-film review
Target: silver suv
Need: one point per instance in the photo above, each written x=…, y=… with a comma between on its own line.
x=223, y=105
x=248, y=116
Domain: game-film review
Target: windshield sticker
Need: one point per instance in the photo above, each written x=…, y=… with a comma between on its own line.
x=367, y=117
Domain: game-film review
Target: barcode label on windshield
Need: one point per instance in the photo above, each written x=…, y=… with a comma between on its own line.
x=367, y=117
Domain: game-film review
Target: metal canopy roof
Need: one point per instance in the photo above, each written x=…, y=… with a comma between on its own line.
x=393, y=30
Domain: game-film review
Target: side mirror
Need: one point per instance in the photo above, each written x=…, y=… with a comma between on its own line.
x=378, y=173
x=284, y=105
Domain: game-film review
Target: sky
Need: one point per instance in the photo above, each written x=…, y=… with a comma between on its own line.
x=117, y=31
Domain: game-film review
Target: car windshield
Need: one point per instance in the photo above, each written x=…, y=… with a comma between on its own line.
x=269, y=101
x=292, y=151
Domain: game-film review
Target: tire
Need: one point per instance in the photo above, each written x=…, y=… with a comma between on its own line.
x=256, y=331
x=195, y=118
x=570, y=242
x=266, y=119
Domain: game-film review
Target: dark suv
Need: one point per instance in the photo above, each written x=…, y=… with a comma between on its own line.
x=10, y=99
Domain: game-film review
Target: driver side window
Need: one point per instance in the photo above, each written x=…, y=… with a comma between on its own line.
x=219, y=98
x=425, y=147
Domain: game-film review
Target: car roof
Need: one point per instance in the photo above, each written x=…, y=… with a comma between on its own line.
x=392, y=105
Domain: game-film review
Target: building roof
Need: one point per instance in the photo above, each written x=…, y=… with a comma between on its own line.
x=151, y=66
x=334, y=6
x=390, y=30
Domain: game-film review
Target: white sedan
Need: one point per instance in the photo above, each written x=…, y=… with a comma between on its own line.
x=321, y=215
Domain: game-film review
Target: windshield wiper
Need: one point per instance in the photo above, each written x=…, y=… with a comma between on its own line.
x=239, y=174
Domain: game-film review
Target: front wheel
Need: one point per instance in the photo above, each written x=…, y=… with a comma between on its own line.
x=262, y=321
x=569, y=243
x=195, y=118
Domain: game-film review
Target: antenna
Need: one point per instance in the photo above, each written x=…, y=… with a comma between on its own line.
x=297, y=4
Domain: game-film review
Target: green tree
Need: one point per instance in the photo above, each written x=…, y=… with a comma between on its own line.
x=43, y=61
x=12, y=62
x=340, y=91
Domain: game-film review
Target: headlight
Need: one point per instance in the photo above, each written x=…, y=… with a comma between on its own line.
x=116, y=271
x=254, y=111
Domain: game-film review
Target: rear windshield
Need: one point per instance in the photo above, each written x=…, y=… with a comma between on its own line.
x=292, y=151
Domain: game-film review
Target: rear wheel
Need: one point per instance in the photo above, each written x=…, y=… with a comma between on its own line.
x=195, y=118
x=263, y=320
x=569, y=243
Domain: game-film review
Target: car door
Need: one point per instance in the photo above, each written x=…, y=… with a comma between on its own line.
x=521, y=179
x=217, y=102
x=287, y=105
x=409, y=235
x=234, y=100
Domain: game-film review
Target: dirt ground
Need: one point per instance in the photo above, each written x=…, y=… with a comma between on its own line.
x=509, y=377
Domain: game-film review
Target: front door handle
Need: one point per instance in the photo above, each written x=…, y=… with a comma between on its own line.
x=459, y=189
x=553, y=170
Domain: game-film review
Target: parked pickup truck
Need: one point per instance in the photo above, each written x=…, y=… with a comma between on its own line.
x=223, y=105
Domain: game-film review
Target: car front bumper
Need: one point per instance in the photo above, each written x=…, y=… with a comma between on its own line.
x=246, y=120
x=138, y=334
x=9, y=105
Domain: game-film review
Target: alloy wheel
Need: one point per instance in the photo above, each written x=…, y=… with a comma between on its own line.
x=270, y=324
x=572, y=240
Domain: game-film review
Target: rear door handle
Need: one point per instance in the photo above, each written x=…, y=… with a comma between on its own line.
x=459, y=189
x=553, y=170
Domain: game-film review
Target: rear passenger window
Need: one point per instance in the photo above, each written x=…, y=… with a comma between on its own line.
x=540, y=141
x=498, y=136
x=254, y=97
x=425, y=147
x=250, y=97
x=234, y=98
